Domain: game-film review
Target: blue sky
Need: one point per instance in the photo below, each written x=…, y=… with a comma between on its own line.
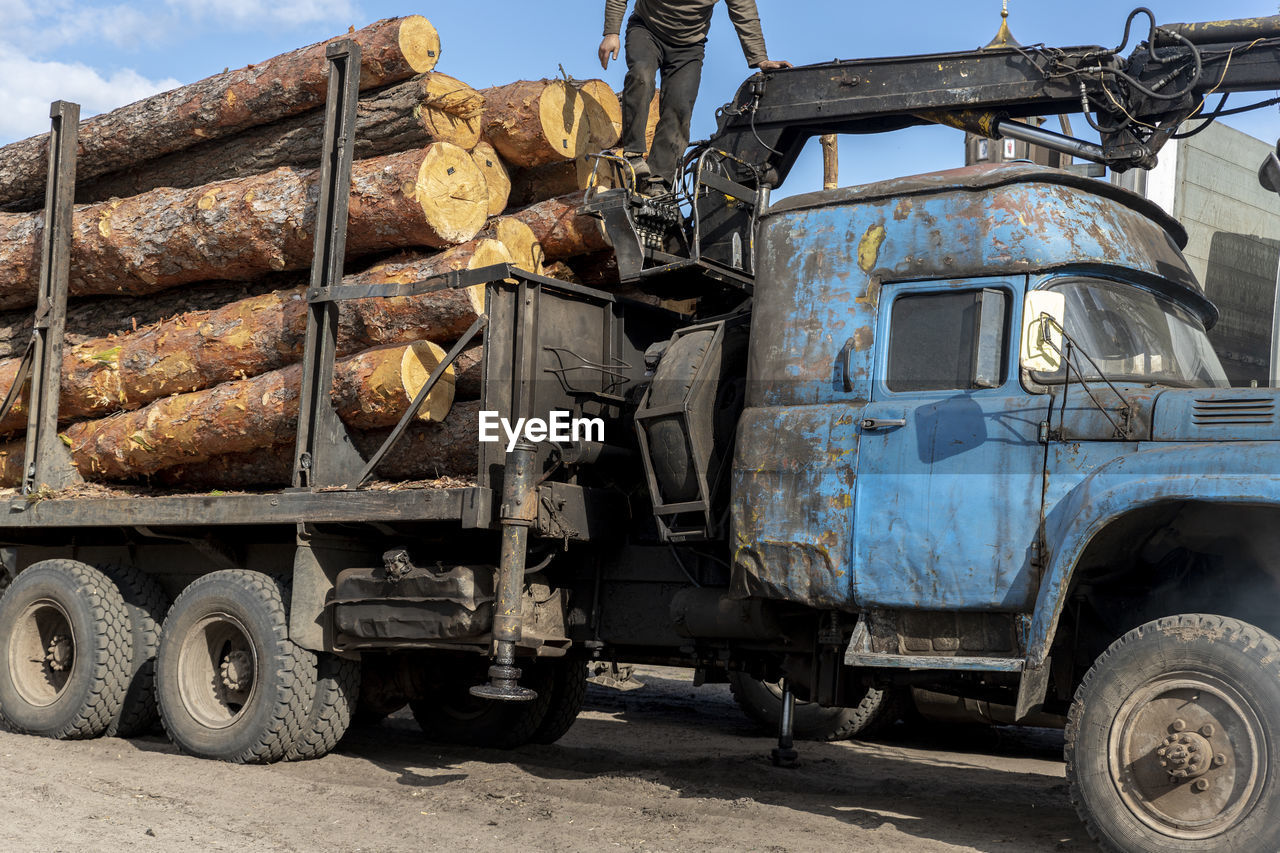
x=104, y=54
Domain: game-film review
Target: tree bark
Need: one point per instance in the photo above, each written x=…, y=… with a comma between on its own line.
x=243, y=228
x=425, y=452
x=429, y=108
x=562, y=231
x=370, y=389
x=226, y=103
x=495, y=175
x=201, y=349
x=530, y=186
x=534, y=122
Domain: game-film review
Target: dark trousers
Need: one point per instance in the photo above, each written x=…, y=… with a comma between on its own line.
x=681, y=67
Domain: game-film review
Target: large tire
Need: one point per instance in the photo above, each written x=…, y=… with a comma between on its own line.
x=448, y=713
x=1173, y=740
x=568, y=692
x=762, y=703
x=230, y=683
x=65, y=651
x=146, y=604
x=337, y=691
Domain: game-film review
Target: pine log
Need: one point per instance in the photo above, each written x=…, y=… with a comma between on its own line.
x=392, y=50
x=429, y=108
x=604, y=111
x=530, y=186
x=531, y=122
x=100, y=316
x=243, y=228
x=561, y=229
x=371, y=389
x=425, y=452
x=521, y=242
x=201, y=349
x=495, y=175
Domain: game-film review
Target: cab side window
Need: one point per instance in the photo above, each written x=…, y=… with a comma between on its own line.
x=953, y=340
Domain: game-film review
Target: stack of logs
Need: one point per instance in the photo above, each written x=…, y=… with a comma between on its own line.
x=193, y=233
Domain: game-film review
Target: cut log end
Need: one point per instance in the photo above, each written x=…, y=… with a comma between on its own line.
x=604, y=114
x=521, y=242
x=419, y=360
x=563, y=112
x=487, y=253
x=451, y=110
x=496, y=176
x=453, y=194
x=419, y=43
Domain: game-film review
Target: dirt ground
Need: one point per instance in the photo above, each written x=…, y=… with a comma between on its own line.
x=665, y=767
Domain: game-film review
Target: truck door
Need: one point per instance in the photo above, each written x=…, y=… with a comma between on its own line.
x=950, y=470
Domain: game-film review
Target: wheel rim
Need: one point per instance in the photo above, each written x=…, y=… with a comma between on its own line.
x=217, y=671
x=1188, y=755
x=42, y=652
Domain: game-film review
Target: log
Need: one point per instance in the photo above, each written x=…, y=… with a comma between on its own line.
x=604, y=112
x=370, y=389
x=495, y=176
x=531, y=122
x=392, y=50
x=425, y=452
x=521, y=242
x=562, y=231
x=429, y=108
x=201, y=349
x=242, y=228
x=530, y=186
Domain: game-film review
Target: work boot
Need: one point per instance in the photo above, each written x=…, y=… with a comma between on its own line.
x=655, y=187
x=639, y=166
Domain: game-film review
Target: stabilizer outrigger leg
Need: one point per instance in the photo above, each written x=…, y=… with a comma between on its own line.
x=519, y=510
x=785, y=755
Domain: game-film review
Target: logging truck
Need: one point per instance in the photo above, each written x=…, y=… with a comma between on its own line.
x=961, y=431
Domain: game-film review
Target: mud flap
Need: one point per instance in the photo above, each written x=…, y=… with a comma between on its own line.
x=1031, y=690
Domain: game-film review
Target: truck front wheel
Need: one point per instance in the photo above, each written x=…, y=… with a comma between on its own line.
x=1173, y=741
x=230, y=683
x=65, y=651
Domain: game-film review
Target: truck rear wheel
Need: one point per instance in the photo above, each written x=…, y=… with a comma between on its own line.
x=65, y=651
x=146, y=604
x=230, y=682
x=1173, y=741
x=337, y=691
x=762, y=702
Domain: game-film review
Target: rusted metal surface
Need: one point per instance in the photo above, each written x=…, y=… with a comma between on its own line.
x=850, y=495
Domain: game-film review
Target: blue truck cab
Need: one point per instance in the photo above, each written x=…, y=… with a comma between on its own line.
x=989, y=519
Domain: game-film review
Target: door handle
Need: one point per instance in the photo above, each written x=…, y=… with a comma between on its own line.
x=869, y=424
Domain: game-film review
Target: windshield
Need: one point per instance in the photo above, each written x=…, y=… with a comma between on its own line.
x=1133, y=335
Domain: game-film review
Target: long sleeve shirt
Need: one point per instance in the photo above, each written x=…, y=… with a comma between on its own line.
x=682, y=22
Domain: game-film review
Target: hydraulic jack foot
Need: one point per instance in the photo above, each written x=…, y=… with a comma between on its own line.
x=785, y=755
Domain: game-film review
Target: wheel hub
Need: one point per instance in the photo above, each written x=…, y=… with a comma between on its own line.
x=237, y=670
x=58, y=654
x=1186, y=755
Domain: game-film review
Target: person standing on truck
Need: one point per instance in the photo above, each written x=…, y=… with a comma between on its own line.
x=670, y=36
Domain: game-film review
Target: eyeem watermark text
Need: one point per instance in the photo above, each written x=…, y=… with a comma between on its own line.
x=561, y=427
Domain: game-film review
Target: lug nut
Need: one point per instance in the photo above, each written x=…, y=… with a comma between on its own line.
x=1219, y=760
x=1164, y=763
x=1161, y=751
x=1207, y=730
x=1201, y=785
x=1191, y=747
x=1178, y=725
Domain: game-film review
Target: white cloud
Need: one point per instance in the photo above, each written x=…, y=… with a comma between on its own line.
x=28, y=86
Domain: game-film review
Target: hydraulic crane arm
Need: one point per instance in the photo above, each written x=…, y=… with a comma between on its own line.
x=1136, y=102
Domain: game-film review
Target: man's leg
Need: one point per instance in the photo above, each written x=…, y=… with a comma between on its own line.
x=681, y=75
x=644, y=57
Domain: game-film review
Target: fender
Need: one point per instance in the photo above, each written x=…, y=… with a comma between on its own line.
x=1225, y=472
